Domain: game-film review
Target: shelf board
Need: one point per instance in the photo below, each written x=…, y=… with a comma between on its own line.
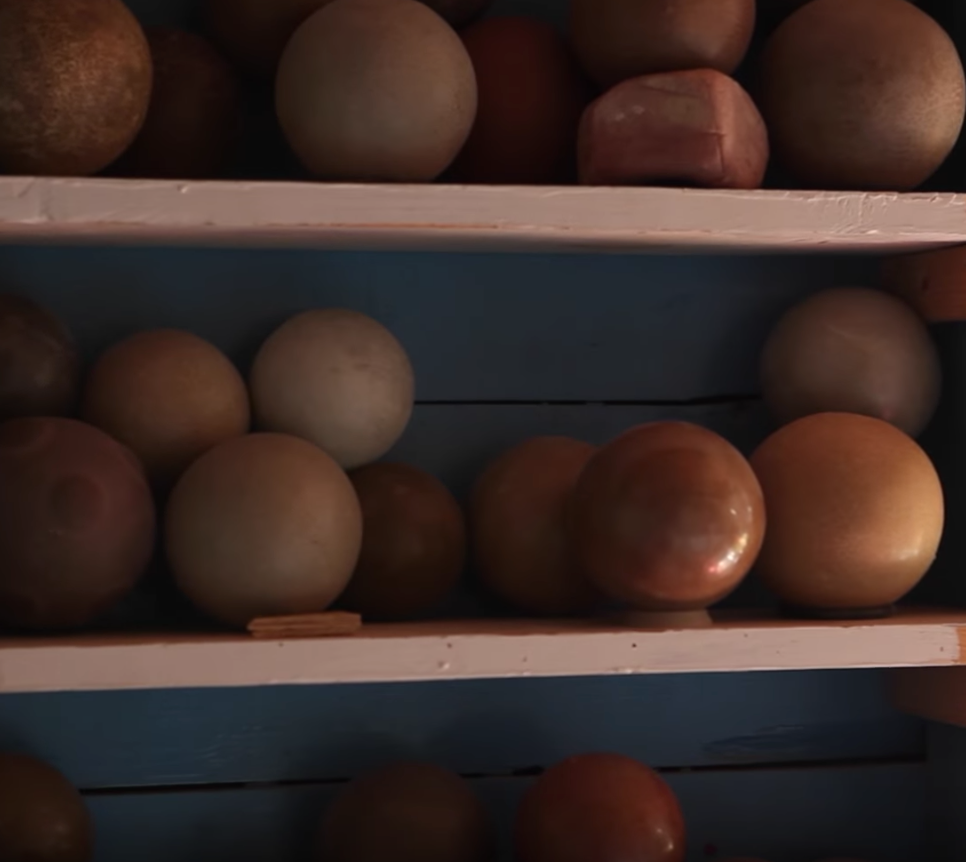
x=478, y=649
x=462, y=218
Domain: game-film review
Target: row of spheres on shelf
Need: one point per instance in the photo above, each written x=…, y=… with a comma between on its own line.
x=840, y=511
x=588, y=808
x=867, y=94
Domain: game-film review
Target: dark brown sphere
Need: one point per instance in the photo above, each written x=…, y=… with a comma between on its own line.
x=253, y=33
x=855, y=513
x=599, y=808
x=520, y=520
x=531, y=95
x=413, y=543
x=39, y=363
x=42, y=816
x=77, y=522
x=169, y=396
x=864, y=94
x=194, y=119
x=852, y=350
x=263, y=525
x=407, y=812
x=458, y=12
x=668, y=517
x=620, y=39
x=75, y=81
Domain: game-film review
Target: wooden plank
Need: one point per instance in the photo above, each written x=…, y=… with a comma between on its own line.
x=478, y=327
x=316, y=733
x=480, y=218
x=793, y=815
x=477, y=649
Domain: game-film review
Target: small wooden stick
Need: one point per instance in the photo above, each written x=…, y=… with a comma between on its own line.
x=329, y=624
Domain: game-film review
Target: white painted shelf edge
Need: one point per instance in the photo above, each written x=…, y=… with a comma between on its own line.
x=490, y=218
x=478, y=649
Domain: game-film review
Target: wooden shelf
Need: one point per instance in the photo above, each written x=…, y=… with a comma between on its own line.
x=478, y=649
x=493, y=218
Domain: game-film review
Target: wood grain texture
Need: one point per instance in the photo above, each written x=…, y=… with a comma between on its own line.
x=318, y=733
x=792, y=815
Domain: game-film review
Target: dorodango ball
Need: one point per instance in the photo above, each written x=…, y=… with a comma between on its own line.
x=263, y=525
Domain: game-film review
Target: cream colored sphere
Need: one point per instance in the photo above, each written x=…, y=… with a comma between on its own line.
x=337, y=378
x=376, y=90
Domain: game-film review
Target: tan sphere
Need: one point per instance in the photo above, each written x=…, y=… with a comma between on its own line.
x=75, y=82
x=169, y=396
x=379, y=90
x=855, y=513
x=852, y=350
x=338, y=378
x=263, y=525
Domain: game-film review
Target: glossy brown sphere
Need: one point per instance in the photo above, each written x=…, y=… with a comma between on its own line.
x=169, y=396
x=620, y=39
x=263, y=525
x=42, y=816
x=413, y=543
x=855, y=513
x=531, y=96
x=599, y=808
x=407, y=812
x=77, y=522
x=520, y=521
x=667, y=517
x=337, y=378
x=852, y=350
x=39, y=364
x=75, y=81
x=376, y=90
x=864, y=94
x=195, y=115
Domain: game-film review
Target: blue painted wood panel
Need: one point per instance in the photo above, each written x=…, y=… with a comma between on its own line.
x=784, y=815
x=946, y=794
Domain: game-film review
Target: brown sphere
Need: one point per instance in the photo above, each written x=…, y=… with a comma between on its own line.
x=520, y=520
x=458, y=12
x=169, y=396
x=77, y=522
x=668, y=517
x=620, y=39
x=338, y=378
x=852, y=350
x=75, y=81
x=531, y=95
x=195, y=115
x=413, y=543
x=378, y=90
x=253, y=33
x=39, y=363
x=263, y=525
x=599, y=808
x=407, y=812
x=865, y=94
x=42, y=816
x=855, y=513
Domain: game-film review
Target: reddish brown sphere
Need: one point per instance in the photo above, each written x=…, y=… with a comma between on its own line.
x=599, y=808
x=42, y=816
x=407, y=812
x=620, y=39
x=668, y=517
x=413, y=543
x=531, y=94
x=195, y=115
x=855, y=513
x=77, y=522
x=520, y=520
x=39, y=364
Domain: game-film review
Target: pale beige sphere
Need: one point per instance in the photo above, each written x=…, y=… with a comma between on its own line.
x=376, y=90
x=263, y=525
x=337, y=378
